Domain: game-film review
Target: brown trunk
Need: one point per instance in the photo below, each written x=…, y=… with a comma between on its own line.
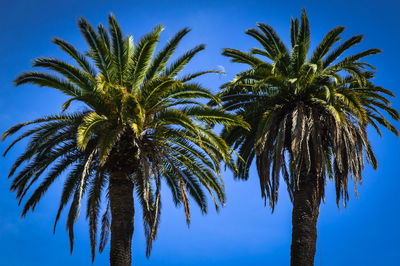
x=122, y=212
x=306, y=203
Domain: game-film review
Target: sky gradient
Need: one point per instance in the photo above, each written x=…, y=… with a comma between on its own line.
x=244, y=232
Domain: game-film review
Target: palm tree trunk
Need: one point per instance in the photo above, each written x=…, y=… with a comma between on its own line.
x=306, y=201
x=122, y=213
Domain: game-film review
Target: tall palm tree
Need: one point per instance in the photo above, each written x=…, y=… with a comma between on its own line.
x=308, y=118
x=141, y=123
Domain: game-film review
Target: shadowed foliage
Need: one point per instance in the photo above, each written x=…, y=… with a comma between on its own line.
x=309, y=113
x=141, y=124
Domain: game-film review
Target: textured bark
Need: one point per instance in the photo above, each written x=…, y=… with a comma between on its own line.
x=306, y=204
x=122, y=213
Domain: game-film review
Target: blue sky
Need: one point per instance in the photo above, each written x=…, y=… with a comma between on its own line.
x=244, y=232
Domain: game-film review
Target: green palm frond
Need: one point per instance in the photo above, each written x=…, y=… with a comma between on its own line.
x=241, y=57
x=182, y=61
x=119, y=49
x=326, y=44
x=143, y=55
x=97, y=48
x=47, y=80
x=332, y=56
x=159, y=63
x=79, y=58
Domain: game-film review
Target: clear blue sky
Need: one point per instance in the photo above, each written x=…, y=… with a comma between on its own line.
x=244, y=232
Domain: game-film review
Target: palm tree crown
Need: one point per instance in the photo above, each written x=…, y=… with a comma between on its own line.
x=306, y=113
x=308, y=117
x=140, y=119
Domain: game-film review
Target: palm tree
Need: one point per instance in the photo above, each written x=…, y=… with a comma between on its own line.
x=308, y=118
x=140, y=124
